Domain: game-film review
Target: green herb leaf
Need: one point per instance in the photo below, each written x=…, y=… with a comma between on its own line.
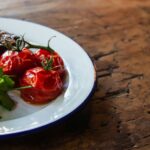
x=9, y=82
x=6, y=101
x=6, y=84
x=1, y=71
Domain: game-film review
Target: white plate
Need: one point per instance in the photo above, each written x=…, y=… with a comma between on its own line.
x=79, y=85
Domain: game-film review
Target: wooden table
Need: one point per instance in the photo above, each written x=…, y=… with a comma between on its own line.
x=116, y=34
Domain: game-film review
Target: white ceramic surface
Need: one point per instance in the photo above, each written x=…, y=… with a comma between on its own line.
x=79, y=83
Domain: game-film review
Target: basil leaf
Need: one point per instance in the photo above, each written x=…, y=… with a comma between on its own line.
x=6, y=101
x=1, y=71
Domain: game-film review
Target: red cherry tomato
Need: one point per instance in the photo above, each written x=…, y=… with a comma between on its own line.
x=14, y=62
x=58, y=64
x=46, y=85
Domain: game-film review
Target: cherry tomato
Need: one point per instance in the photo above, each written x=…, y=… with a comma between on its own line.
x=57, y=62
x=46, y=85
x=15, y=63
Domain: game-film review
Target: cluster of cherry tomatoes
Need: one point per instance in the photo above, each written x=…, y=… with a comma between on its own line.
x=43, y=72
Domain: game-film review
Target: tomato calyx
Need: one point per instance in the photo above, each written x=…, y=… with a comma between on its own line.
x=47, y=64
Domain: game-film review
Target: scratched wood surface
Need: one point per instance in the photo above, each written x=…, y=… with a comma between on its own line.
x=116, y=35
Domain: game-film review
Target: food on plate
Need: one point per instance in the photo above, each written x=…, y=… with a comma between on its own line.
x=17, y=62
x=6, y=84
x=42, y=55
x=7, y=40
x=39, y=76
x=46, y=85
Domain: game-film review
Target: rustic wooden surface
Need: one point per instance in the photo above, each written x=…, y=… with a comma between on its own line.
x=116, y=34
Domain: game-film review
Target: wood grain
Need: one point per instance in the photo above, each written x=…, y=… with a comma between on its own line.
x=116, y=35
